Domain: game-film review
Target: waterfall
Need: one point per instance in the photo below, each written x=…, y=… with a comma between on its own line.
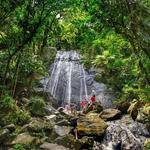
x=83, y=84
x=69, y=82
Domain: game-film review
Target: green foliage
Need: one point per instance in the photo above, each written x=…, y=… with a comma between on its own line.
x=120, y=68
x=147, y=147
x=20, y=117
x=18, y=147
x=7, y=103
x=23, y=147
x=10, y=113
x=37, y=106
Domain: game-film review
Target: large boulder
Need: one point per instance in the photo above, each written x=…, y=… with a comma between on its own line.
x=70, y=142
x=37, y=124
x=23, y=138
x=124, y=134
x=91, y=125
x=110, y=114
x=50, y=146
x=59, y=131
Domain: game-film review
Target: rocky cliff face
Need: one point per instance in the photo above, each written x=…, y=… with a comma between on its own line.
x=69, y=82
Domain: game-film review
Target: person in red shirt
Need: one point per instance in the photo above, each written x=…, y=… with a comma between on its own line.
x=93, y=99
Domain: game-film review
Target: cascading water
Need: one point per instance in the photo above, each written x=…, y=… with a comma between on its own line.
x=85, y=87
x=81, y=89
x=69, y=82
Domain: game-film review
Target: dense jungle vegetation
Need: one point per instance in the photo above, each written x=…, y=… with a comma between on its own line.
x=111, y=35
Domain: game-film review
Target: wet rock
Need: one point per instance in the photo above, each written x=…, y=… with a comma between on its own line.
x=116, y=134
x=138, y=129
x=23, y=138
x=124, y=133
x=62, y=130
x=110, y=114
x=91, y=125
x=11, y=127
x=50, y=146
x=3, y=134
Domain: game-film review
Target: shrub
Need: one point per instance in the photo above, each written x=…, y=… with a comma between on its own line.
x=7, y=103
x=37, y=106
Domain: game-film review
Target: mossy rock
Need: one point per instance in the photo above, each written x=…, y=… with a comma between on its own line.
x=134, y=108
x=67, y=141
x=23, y=138
x=110, y=114
x=37, y=124
x=91, y=125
